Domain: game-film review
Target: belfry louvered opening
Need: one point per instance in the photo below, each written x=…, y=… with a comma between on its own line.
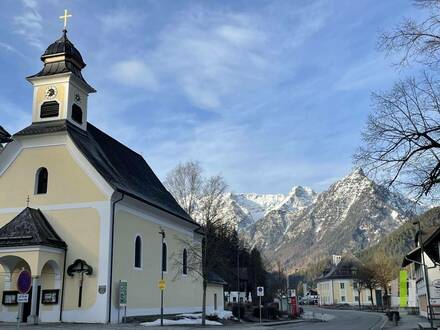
x=50, y=109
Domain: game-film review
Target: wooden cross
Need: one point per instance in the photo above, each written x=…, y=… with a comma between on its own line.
x=65, y=17
x=81, y=267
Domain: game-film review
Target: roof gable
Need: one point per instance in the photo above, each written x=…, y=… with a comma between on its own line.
x=124, y=170
x=30, y=228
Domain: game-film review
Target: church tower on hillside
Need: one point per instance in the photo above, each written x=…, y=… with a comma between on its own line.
x=60, y=90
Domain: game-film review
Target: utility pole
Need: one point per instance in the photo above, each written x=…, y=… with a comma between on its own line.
x=425, y=274
x=238, y=280
x=162, y=233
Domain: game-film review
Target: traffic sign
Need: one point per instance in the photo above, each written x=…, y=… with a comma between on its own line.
x=123, y=293
x=260, y=291
x=24, y=281
x=162, y=284
x=22, y=298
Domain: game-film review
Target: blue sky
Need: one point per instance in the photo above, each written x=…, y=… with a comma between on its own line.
x=270, y=94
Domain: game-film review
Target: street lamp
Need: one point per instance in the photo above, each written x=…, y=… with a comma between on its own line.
x=425, y=273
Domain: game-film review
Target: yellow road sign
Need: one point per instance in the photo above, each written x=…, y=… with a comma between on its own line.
x=162, y=284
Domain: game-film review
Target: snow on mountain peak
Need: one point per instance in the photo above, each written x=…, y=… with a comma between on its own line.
x=245, y=209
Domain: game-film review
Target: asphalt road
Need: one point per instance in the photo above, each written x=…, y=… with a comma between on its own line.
x=346, y=320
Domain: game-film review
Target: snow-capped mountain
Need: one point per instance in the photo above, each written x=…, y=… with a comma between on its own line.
x=352, y=214
x=244, y=210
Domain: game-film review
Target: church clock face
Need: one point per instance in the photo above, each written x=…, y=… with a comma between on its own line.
x=51, y=92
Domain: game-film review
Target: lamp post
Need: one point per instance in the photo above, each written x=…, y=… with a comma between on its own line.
x=425, y=273
x=162, y=233
x=238, y=281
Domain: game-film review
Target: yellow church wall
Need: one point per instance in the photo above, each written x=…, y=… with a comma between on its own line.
x=60, y=97
x=143, y=292
x=67, y=182
x=80, y=229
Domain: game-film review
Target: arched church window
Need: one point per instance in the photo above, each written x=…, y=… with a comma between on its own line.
x=138, y=252
x=185, y=262
x=50, y=109
x=41, y=179
x=164, y=257
x=77, y=114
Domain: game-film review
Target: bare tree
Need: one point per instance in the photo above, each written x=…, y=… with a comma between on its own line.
x=202, y=198
x=385, y=270
x=401, y=140
x=402, y=136
x=365, y=279
x=418, y=41
x=185, y=182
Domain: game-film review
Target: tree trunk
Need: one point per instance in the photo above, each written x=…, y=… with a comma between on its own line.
x=359, y=299
x=371, y=295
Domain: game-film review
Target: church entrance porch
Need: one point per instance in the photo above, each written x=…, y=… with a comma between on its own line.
x=44, y=297
x=28, y=242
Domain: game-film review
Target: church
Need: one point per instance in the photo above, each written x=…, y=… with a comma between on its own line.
x=87, y=216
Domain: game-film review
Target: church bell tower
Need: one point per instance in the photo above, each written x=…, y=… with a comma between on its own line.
x=60, y=90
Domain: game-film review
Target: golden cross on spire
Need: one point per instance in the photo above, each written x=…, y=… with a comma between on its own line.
x=65, y=17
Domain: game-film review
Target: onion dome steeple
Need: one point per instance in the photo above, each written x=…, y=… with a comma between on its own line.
x=60, y=90
x=63, y=46
x=61, y=57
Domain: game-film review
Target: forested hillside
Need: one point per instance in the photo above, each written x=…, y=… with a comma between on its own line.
x=401, y=241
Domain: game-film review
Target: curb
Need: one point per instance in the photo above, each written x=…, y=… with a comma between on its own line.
x=280, y=323
x=380, y=325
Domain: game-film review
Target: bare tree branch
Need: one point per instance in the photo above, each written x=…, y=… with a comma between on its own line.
x=402, y=138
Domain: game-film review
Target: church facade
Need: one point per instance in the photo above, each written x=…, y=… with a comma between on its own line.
x=83, y=213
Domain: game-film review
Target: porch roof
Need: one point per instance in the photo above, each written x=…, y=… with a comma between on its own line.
x=30, y=228
x=413, y=255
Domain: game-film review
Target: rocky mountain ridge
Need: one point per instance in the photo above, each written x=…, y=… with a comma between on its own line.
x=303, y=226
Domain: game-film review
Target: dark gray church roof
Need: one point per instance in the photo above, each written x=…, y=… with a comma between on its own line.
x=125, y=170
x=4, y=136
x=30, y=228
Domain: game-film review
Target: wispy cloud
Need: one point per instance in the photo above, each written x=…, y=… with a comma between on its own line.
x=29, y=23
x=134, y=73
x=121, y=19
x=213, y=57
x=11, y=49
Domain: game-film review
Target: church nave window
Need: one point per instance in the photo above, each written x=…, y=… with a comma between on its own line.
x=138, y=252
x=50, y=109
x=185, y=262
x=164, y=257
x=41, y=179
x=77, y=114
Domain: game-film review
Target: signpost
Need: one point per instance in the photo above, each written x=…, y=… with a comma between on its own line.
x=24, y=282
x=123, y=297
x=162, y=281
x=260, y=293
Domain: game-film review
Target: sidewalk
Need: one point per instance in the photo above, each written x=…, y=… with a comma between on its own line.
x=406, y=322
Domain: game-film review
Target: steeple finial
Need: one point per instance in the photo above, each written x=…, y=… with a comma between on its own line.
x=65, y=17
